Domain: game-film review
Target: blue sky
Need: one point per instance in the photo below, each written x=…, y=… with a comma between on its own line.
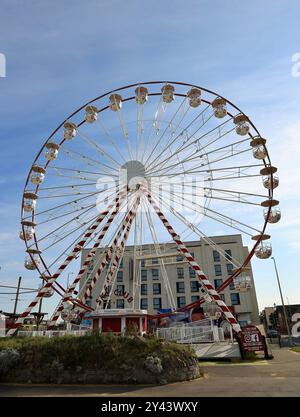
x=61, y=53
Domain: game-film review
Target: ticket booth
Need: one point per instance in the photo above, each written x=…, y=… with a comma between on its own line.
x=118, y=321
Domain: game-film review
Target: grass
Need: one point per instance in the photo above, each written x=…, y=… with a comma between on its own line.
x=296, y=349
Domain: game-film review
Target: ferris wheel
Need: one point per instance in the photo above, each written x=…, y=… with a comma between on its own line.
x=143, y=164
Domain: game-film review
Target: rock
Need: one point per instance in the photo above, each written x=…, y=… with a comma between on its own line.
x=131, y=380
x=162, y=381
x=153, y=365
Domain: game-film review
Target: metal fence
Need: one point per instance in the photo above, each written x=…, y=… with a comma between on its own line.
x=202, y=331
x=52, y=333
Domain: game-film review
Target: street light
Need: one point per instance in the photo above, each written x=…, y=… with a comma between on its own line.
x=283, y=306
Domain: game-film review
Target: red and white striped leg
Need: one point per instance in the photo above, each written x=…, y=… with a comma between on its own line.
x=78, y=247
x=125, y=225
x=117, y=258
x=85, y=265
x=206, y=285
x=108, y=279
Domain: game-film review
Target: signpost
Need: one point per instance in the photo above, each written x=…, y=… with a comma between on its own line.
x=251, y=340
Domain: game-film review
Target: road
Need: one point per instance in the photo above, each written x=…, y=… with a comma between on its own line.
x=278, y=377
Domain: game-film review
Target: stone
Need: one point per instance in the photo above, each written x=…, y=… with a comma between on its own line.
x=153, y=365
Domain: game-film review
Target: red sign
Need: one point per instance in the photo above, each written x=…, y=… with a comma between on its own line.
x=251, y=339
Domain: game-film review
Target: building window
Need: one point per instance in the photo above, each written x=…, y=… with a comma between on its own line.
x=218, y=270
x=120, y=289
x=179, y=258
x=216, y=256
x=91, y=265
x=180, y=302
x=144, y=274
x=144, y=303
x=180, y=287
x=155, y=261
x=235, y=298
x=228, y=254
x=180, y=273
x=143, y=263
x=156, y=288
x=243, y=323
x=192, y=272
x=108, y=306
x=195, y=298
x=157, y=303
x=229, y=268
x=120, y=303
x=222, y=296
x=231, y=286
x=193, y=255
x=155, y=274
x=218, y=283
x=144, y=289
x=194, y=286
x=121, y=263
x=120, y=276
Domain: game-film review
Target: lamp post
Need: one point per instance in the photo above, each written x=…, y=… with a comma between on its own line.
x=283, y=306
x=17, y=295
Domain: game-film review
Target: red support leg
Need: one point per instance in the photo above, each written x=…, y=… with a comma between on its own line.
x=77, y=248
x=206, y=285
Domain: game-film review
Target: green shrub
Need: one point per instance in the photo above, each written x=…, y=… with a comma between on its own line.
x=94, y=351
x=8, y=360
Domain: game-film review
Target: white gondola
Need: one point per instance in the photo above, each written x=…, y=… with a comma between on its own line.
x=115, y=102
x=32, y=261
x=91, y=114
x=219, y=106
x=211, y=310
x=70, y=130
x=68, y=305
x=67, y=316
x=27, y=231
x=269, y=182
x=29, y=264
x=141, y=95
x=263, y=251
x=51, y=151
x=274, y=216
x=194, y=97
x=242, y=283
x=48, y=292
x=259, y=152
x=29, y=202
x=168, y=93
x=242, y=124
x=37, y=175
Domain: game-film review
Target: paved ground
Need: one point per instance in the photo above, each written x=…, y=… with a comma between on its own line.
x=278, y=377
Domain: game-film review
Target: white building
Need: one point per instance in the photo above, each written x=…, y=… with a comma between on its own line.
x=149, y=291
